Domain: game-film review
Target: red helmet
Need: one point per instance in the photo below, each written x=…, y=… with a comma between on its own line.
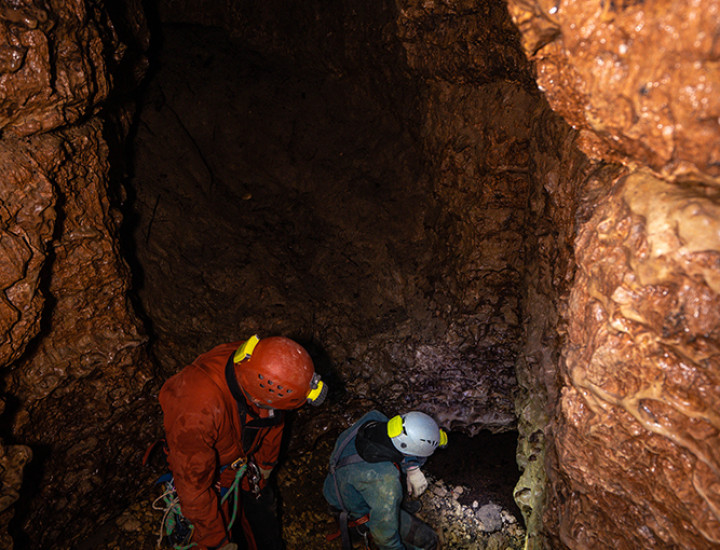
x=279, y=373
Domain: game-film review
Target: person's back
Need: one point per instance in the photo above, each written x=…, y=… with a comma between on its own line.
x=365, y=479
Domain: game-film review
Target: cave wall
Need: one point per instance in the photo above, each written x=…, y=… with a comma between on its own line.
x=636, y=428
x=461, y=191
x=633, y=454
x=606, y=313
x=504, y=178
x=74, y=364
x=639, y=82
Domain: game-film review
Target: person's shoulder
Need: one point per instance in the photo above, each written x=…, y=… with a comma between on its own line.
x=221, y=351
x=373, y=415
x=193, y=382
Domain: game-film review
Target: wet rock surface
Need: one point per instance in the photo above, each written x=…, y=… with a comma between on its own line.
x=73, y=354
x=13, y=459
x=636, y=432
x=388, y=187
x=89, y=368
x=639, y=80
x=632, y=79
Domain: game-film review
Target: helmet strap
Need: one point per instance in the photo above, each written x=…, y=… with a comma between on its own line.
x=252, y=428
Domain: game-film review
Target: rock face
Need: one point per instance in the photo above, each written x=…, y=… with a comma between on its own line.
x=74, y=364
x=634, y=435
x=639, y=81
x=636, y=432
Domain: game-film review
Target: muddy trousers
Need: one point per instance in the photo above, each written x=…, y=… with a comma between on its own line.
x=262, y=517
x=415, y=533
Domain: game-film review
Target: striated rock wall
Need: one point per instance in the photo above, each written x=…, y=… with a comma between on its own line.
x=637, y=434
x=633, y=438
x=74, y=366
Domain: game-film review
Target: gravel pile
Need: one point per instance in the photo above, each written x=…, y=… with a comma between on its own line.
x=468, y=527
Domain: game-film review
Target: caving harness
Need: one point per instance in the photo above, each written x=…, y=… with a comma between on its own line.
x=174, y=527
x=345, y=525
x=249, y=430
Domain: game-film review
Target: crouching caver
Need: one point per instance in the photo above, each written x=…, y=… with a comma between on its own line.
x=364, y=483
x=223, y=413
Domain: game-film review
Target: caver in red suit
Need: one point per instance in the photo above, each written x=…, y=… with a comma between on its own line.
x=225, y=407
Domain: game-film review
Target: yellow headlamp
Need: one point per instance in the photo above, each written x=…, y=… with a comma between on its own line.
x=395, y=426
x=245, y=351
x=318, y=391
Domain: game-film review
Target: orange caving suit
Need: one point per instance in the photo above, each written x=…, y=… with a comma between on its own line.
x=204, y=433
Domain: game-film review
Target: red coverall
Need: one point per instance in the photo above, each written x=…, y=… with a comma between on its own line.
x=204, y=433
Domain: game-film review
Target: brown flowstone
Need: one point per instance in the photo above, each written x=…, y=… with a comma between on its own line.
x=73, y=356
x=639, y=80
x=80, y=386
x=636, y=429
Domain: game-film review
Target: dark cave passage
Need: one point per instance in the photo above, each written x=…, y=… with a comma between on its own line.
x=485, y=463
x=275, y=199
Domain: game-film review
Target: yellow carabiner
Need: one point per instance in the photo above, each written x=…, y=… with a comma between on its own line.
x=239, y=463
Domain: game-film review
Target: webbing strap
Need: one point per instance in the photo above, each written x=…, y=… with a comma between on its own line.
x=344, y=531
x=248, y=443
x=350, y=459
x=339, y=463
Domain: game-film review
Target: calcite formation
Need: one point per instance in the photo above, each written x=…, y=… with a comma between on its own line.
x=637, y=431
x=632, y=433
x=639, y=80
x=55, y=68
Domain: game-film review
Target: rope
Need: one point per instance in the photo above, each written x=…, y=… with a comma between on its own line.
x=172, y=506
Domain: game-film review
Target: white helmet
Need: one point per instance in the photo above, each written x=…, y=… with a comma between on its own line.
x=416, y=434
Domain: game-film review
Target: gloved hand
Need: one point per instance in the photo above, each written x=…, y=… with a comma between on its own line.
x=265, y=473
x=416, y=482
x=229, y=546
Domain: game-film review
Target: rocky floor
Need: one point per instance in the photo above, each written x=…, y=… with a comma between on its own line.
x=468, y=501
